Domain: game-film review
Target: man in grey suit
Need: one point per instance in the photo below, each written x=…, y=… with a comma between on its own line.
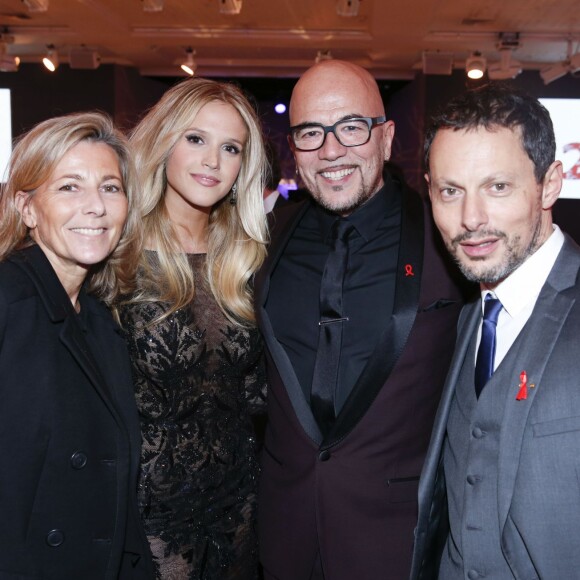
x=499, y=495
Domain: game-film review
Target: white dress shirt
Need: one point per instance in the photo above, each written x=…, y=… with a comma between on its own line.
x=519, y=292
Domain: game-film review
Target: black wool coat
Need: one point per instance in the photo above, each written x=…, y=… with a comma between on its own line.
x=69, y=434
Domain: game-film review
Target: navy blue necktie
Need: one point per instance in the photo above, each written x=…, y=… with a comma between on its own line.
x=486, y=352
x=330, y=328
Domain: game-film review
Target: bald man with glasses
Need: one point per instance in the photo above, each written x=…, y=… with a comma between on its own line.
x=358, y=311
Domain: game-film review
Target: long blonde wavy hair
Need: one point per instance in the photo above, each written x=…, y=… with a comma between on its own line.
x=34, y=159
x=237, y=233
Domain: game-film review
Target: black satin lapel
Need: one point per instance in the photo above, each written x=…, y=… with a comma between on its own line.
x=294, y=391
x=283, y=223
x=393, y=340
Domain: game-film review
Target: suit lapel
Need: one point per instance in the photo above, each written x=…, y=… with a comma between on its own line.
x=532, y=350
x=393, y=339
x=73, y=338
x=431, y=494
x=466, y=327
x=59, y=309
x=283, y=224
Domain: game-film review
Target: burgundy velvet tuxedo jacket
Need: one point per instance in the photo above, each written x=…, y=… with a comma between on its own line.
x=352, y=496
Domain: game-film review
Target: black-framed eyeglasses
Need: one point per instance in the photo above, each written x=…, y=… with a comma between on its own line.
x=348, y=132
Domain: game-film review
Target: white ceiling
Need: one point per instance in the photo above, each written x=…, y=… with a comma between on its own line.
x=282, y=37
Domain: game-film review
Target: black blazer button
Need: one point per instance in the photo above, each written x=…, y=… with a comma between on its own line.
x=78, y=460
x=55, y=538
x=324, y=455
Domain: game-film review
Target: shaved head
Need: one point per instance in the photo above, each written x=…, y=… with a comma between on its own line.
x=337, y=78
x=340, y=178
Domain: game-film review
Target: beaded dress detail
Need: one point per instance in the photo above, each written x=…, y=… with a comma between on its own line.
x=198, y=380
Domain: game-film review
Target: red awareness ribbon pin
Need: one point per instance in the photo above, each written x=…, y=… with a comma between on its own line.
x=409, y=270
x=523, y=392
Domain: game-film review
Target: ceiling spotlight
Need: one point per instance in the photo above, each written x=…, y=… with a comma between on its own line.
x=347, y=7
x=554, y=72
x=189, y=65
x=323, y=55
x=230, y=6
x=475, y=65
x=509, y=40
x=7, y=63
x=83, y=58
x=559, y=69
x=507, y=68
x=152, y=5
x=50, y=61
x=36, y=5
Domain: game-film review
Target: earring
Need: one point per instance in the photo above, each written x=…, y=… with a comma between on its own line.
x=234, y=197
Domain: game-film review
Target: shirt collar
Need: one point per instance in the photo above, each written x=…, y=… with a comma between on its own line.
x=524, y=284
x=367, y=218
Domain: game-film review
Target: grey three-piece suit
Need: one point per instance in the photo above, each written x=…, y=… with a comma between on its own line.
x=523, y=455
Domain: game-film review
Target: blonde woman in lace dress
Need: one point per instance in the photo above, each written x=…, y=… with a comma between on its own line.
x=197, y=356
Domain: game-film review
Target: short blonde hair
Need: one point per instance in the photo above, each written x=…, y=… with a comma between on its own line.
x=33, y=161
x=237, y=233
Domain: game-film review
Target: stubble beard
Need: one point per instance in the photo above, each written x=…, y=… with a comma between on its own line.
x=514, y=256
x=346, y=206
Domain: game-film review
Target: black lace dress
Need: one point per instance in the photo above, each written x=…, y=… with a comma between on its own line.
x=198, y=380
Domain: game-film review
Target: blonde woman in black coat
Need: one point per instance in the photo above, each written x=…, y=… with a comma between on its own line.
x=69, y=434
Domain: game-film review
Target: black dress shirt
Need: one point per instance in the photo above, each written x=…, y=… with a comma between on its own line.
x=368, y=291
